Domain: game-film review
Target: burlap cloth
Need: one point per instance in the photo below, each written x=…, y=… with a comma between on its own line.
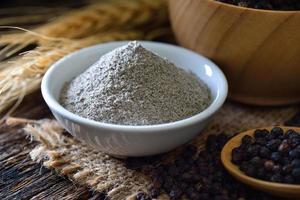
x=60, y=151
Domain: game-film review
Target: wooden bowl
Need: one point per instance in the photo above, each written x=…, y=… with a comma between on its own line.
x=259, y=50
x=276, y=189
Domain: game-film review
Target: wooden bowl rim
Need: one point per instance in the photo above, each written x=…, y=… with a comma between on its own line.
x=235, y=7
x=235, y=171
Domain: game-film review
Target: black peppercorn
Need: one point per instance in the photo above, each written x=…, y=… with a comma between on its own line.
x=244, y=166
x=260, y=133
x=175, y=193
x=292, y=134
x=192, y=193
x=260, y=141
x=270, y=137
x=168, y=183
x=296, y=173
x=294, y=153
x=275, y=156
x=273, y=144
x=295, y=163
x=287, y=169
x=251, y=171
x=277, y=169
x=284, y=147
x=261, y=173
x=173, y=170
x=154, y=192
x=252, y=151
x=247, y=139
x=277, y=132
x=204, y=196
x=256, y=161
x=237, y=156
x=295, y=142
x=269, y=165
x=187, y=176
x=285, y=160
x=180, y=162
x=265, y=152
x=142, y=196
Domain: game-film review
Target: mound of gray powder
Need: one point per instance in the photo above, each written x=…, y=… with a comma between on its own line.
x=133, y=86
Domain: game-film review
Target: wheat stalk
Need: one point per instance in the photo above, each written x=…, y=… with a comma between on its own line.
x=105, y=16
x=101, y=22
x=26, y=73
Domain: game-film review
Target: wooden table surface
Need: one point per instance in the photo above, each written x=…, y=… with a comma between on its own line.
x=20, y=177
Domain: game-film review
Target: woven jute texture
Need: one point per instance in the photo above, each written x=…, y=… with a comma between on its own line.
x=60, y=151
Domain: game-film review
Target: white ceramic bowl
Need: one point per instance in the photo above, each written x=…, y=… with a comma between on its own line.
x=125, y=140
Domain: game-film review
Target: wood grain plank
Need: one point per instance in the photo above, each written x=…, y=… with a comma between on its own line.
x=22, y=178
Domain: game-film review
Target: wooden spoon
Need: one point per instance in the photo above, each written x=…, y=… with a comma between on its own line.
x=276, y=189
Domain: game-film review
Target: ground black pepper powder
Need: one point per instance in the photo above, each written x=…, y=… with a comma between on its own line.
x=266, y=4
x=131, y=85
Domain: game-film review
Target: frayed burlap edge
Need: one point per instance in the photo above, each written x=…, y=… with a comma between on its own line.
x=106, y=174
x=80, y=163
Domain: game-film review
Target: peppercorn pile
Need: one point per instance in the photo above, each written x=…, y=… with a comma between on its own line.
x=198, y=176
x=266, y=4
x=270, y=155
